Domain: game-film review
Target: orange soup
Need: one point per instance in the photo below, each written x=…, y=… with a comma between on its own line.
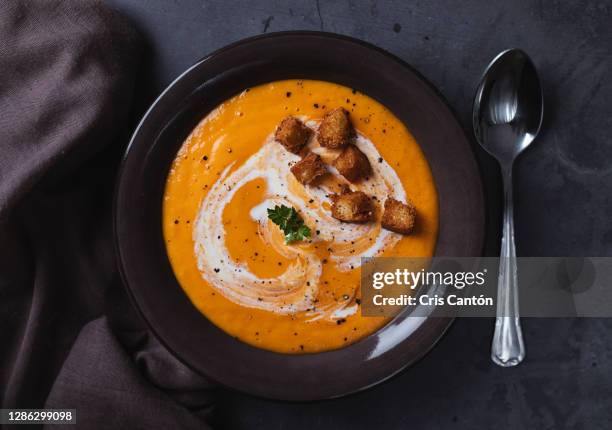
x=233, y=262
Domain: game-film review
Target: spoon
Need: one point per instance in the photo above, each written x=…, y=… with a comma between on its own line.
x=507, y=116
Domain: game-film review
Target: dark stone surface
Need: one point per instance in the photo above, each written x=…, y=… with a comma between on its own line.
x=563, y=189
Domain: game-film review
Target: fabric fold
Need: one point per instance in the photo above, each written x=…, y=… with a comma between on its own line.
x=100, y=381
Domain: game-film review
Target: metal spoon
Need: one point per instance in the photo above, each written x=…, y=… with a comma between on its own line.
x=507, y=116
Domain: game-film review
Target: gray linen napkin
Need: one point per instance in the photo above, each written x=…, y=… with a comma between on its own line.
x=67, y=73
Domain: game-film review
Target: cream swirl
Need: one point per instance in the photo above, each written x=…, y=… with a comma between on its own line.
x=296, y=289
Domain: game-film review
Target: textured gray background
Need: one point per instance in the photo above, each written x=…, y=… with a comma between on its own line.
x=563, y=195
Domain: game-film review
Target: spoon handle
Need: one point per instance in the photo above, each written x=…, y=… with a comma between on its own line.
x=508, y=348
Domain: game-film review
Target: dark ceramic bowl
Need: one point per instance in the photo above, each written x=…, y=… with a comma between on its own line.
x=143, y=261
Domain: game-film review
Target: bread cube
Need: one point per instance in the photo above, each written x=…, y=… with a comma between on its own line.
x=353, y=164
x=352, y=206
x=398, y=217
x=336, y=130
x=292, y=134
x=308, y=169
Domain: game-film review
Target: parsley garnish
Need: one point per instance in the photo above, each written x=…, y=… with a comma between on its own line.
x=289, y=222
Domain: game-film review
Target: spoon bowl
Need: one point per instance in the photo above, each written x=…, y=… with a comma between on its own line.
x=509, y=106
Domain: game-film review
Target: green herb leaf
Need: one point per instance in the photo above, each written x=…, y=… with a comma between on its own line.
x=304, y=231
x=289, y=222
x=279, y=215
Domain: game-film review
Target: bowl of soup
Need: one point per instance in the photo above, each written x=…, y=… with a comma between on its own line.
x=254, y=187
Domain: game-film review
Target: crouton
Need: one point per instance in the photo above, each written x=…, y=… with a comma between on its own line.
x=352, y=164
x=336, y=129
x=308, y=168
x=352, y=206
x=398, y=217
x=292, y=134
